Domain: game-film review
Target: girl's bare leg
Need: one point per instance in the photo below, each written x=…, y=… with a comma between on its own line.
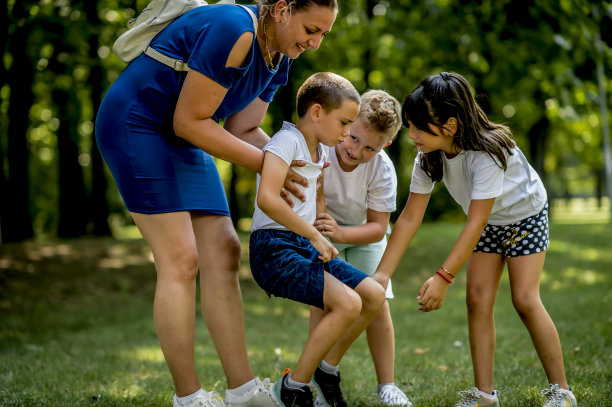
x=524, y=273
x=484, y=272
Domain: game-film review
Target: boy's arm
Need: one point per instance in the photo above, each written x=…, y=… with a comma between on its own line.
x=370, y=232
x=321, y=202
x=403, y=231
x=273, y=205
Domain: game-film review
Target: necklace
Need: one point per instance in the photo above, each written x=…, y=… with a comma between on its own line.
x=273, y=67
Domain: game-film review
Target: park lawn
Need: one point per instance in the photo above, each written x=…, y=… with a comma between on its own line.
x=76, y=326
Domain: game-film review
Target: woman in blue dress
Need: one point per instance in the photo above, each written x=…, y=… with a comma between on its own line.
x=158, y=128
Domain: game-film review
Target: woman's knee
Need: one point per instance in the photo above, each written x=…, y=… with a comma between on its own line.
x=225, y=257
x=178, y=263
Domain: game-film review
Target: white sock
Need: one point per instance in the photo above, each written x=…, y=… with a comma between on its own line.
x=487, y=395
x=381, y=385
x=187, y=399
x=327, y=368
x=292, y=384
x=241, y=390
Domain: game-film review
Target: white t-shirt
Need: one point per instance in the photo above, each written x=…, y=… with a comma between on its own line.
x=289, y=144
x=349, y=195
x=519, y=192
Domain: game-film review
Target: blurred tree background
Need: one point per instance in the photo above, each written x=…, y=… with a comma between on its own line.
x=541, y=67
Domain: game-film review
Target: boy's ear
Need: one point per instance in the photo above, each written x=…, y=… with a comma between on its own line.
x=315, y=112
x=388, y=143
x=451, y=124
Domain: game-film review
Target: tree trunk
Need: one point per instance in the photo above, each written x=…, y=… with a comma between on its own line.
x=15, y=218
x=99, y=204
x=73, y=202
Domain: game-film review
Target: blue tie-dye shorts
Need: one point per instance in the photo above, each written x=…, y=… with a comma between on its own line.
x=286, y=265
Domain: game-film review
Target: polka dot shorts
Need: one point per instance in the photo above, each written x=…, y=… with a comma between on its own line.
x=528, y=236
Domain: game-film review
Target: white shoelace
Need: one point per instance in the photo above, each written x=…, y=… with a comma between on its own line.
x=553, y=395
x=210, y=399
x=393, y=396
x=467, y=396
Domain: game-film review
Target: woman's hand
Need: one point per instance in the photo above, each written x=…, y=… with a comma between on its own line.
x=326, y=250
x=381, y=279
x=293, y=179
x=328, y=227
x=432, y=294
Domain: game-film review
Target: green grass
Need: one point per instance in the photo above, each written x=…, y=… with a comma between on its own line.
x=76, y=326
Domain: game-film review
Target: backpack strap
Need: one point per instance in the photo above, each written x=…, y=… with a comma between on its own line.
x=179, y=65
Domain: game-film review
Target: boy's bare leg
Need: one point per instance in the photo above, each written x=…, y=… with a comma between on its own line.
x=342, y=308
x=372, y=296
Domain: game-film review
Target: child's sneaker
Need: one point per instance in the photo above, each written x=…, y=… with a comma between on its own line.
x=327, y=386
x=261, y=395
x=391, y=395
x=473, y=398
x=292, y=397
x=558, y=397
x=202, y=399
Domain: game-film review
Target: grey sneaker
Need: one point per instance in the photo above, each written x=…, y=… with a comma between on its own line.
x=471, y=398
x=260, y=396
x=391, y=395
x=558, y=397
x=204, y=399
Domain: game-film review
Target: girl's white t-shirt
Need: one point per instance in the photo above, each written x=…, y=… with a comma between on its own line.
x=519, y=192
x=289, y=144
x=349, y=195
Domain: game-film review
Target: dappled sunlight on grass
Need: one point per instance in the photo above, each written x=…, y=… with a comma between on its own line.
x=578, y=251
x=144, y=353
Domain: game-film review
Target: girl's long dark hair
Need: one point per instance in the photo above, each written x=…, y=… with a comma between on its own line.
x=440, y=97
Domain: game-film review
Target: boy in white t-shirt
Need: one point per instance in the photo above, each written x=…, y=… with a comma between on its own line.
x=354, y=206
x=290, y=258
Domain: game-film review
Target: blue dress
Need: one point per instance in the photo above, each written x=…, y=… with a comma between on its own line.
x=155, y=170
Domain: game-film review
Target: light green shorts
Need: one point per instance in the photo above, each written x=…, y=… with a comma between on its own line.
x=364, y=257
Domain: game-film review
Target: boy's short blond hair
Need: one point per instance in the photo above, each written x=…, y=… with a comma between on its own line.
x=381, y=112
x=327, y=89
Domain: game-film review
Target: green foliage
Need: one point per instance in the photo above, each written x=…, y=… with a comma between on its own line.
x=531, y=65
x=78, y=327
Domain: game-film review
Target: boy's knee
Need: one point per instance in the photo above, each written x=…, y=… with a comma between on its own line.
x=351, y=305
x=373, y=296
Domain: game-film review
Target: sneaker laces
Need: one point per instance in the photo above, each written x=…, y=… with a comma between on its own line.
x=392, y=395
x=468, y=396
x=209, y=399
x=553, y=395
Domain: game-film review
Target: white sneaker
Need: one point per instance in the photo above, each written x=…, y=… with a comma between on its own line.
x=203, y=399
x=472, y=398
x=558, y=397
x=259, y=396
x=391, y=395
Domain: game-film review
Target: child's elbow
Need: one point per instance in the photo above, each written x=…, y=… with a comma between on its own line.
x=263, y=201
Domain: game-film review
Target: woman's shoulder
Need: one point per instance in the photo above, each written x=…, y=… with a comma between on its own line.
x=231, y=17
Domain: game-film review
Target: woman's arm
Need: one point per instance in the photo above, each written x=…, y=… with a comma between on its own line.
x=272, y=204
x=245, y=123
x=370, y=232
x=432, y=293
x=198, y=101
x=403, y=231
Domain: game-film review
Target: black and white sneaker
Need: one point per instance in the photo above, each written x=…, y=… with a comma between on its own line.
x=327, y=386
x=288, y=397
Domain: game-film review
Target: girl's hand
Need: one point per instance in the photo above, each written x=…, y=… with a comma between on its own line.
x=432, y=294
x=328, y=227
x=326, y=250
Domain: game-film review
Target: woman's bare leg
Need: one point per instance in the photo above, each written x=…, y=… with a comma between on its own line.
x=171, y=239
x=219, y=259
